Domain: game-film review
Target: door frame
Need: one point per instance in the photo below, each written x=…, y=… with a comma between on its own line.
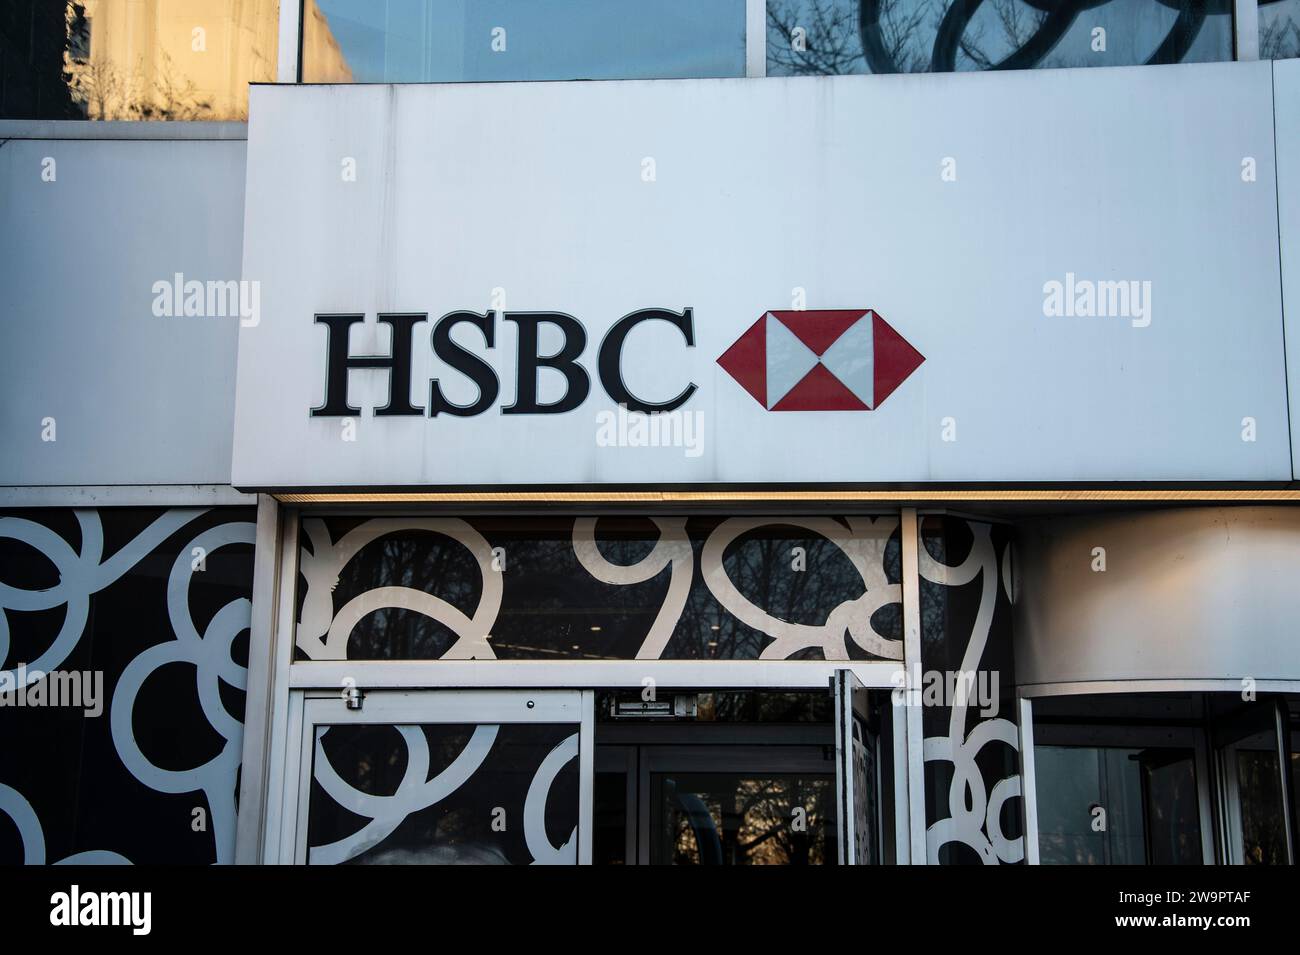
x=1228, y=792
x=279, y=682
x=309, y=709
x=851, y=713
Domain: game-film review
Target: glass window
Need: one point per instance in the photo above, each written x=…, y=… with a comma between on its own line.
x=609, y=823
x=441, y=794
x=134, y=59
x=111, y=606
x=1279, y=29
x=698, y=588
x=818, y=37
x=742, y=819
x=1117, y=806
x=447, y=41
x=1263, y=824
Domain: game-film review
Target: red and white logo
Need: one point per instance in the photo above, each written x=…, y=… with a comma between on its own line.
x=821, y=360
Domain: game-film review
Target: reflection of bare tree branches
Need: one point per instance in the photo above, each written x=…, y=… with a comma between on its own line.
x=1279, y=40
x=828, y=41
x=105, y=86
x=552, y=608
x=110, y=93
x=821, y=37
x=100, y=86
x=824, y=41
x=1018, y=22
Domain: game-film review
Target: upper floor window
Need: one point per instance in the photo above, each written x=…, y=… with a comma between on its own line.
x=134, y=59
x=918, y=36
x=433, y=41
x=1279, y=29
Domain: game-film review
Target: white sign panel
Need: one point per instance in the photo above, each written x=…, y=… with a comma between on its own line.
x=1059, y=276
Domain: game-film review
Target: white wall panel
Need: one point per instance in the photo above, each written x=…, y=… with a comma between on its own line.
x=136, y=399
x=1200, y=593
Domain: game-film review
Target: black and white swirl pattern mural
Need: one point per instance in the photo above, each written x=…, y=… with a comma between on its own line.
x=972, y=774
x=814, y=588
x=157, y=603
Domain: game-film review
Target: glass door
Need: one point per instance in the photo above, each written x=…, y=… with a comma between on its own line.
x=1251, y=759
x=440, y=777
x=1122, y=795
x=857, y=777
x=736, y=805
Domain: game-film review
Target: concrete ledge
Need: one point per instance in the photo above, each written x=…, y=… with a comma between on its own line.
x=125, y=495
x=89, y=129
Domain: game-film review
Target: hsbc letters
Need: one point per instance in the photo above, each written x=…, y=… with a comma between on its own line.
x=577, y=381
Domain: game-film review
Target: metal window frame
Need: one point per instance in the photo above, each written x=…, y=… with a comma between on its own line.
x=310, y=710
x=268, y=717
x=914, y=732
x=1176, y=685
x=1028, y=780
x=755, y=38
x=1245, y=30
x=588, y=674
x=288, y=61
x=255, y=773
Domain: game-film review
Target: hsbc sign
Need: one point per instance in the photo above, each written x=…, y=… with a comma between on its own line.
x=816, y=360
x=498, y=299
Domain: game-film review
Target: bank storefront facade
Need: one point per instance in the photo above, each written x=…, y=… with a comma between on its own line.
x=589, y=443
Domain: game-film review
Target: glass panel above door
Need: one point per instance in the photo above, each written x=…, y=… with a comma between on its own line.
x=699, y=588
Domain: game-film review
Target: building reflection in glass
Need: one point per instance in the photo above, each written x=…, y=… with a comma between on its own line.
x=137, y=59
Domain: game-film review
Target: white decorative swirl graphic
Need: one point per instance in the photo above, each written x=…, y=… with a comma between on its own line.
x=673, y=549
x=18, y=809
x=81, y=575
x=210, y=655
x=974, y=819
x=415, y=793
x=863, y=542
x=323, y=635
x=535, y=808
